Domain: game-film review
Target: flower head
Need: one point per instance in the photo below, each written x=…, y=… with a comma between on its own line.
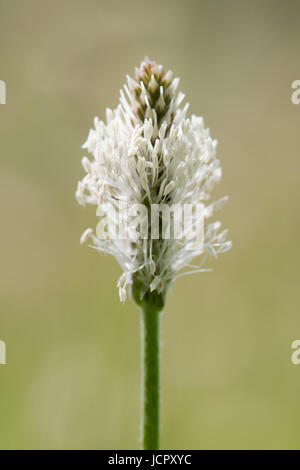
x=149, y=153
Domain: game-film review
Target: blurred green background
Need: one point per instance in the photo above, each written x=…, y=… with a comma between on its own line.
x=72, y=373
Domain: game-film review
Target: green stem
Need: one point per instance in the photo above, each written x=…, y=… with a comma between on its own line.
x=150, y=322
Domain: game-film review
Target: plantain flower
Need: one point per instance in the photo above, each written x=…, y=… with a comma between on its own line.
x=148, y=153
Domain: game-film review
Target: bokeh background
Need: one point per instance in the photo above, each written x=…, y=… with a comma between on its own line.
x=73, y=353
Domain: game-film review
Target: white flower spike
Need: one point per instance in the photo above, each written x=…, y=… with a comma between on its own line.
x=149, y=153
